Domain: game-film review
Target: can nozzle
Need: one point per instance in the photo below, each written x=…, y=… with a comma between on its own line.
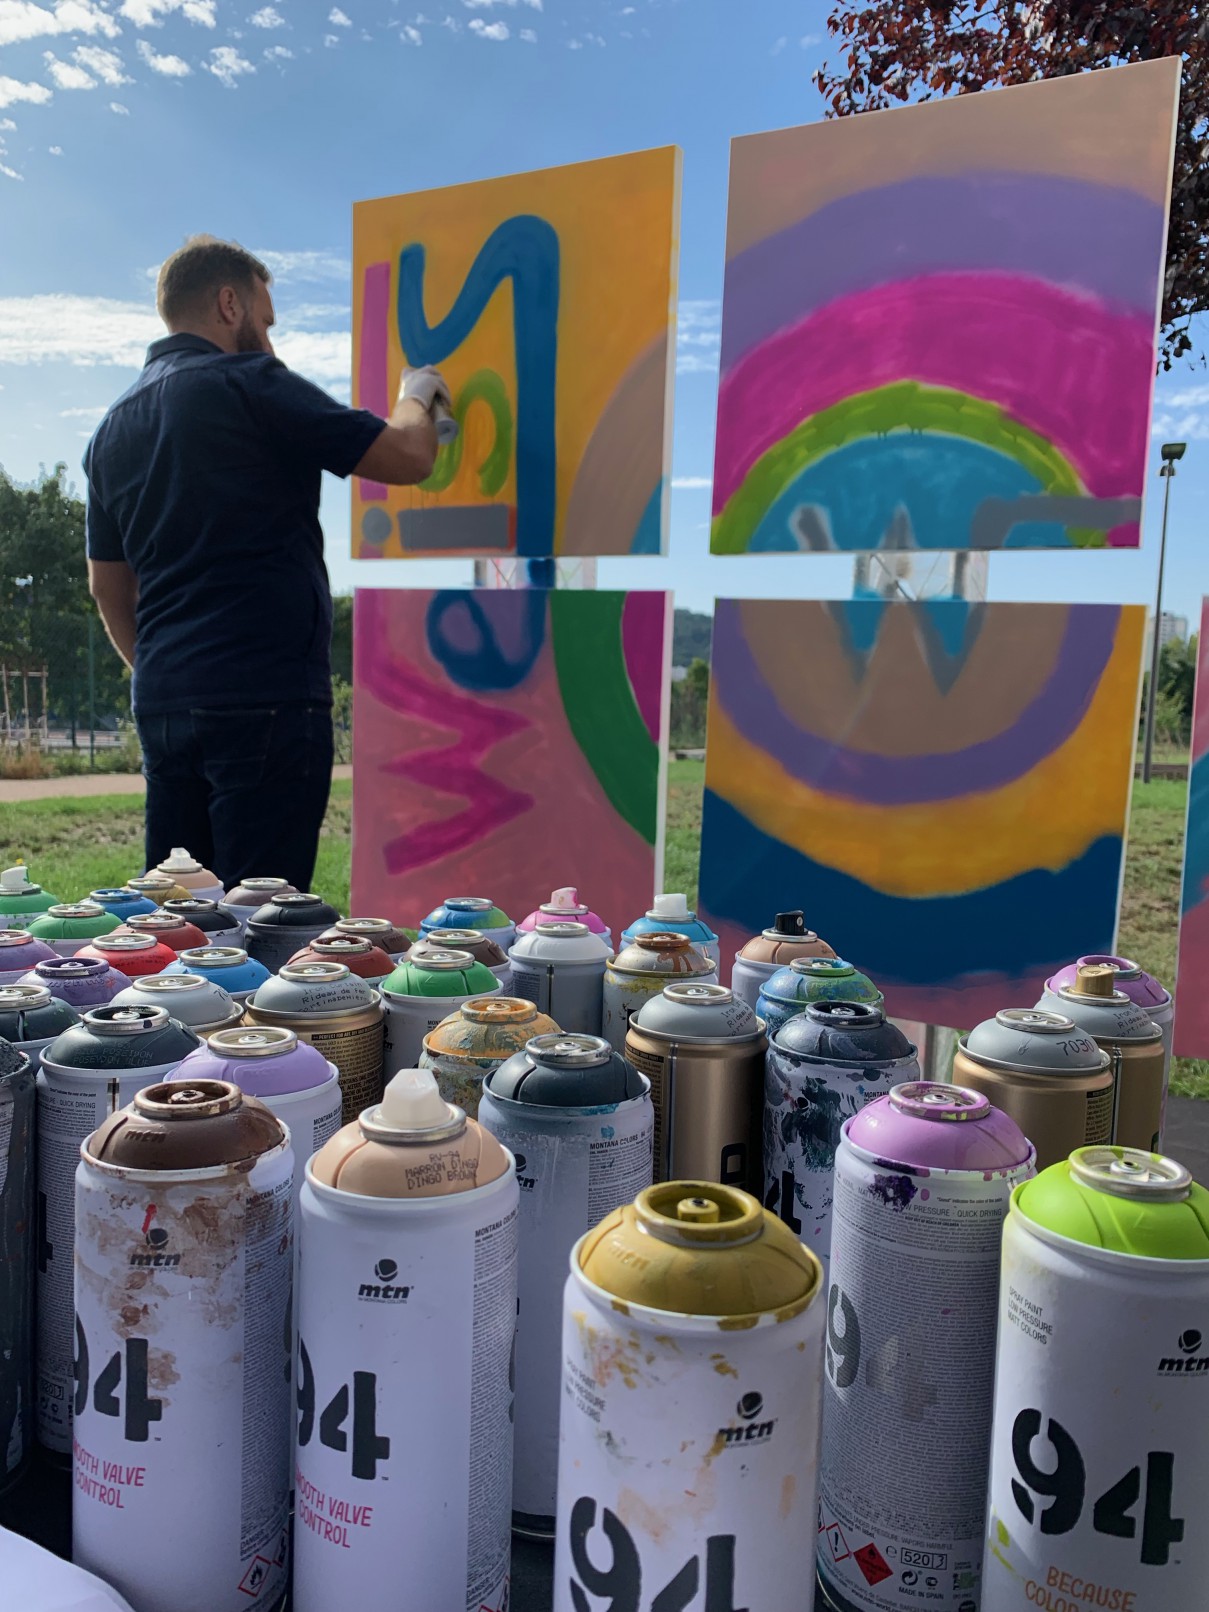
x=790, y=923
x=564, y=900
x=13, y=879
x=674, y=905
x=180, y=861
x=702, y=1211
x=412, y=1102
x=1095, y=979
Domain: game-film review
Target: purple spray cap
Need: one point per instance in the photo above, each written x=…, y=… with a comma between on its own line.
x=1140, y=987
x=82, y=981
x=927, y=1125
x=264, y=1060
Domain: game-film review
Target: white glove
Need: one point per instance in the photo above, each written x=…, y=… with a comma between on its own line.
x=425, y=386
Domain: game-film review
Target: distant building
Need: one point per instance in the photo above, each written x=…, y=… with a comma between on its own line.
x=1172, y=629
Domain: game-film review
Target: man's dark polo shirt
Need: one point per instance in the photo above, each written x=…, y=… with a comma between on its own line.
x=204, y=477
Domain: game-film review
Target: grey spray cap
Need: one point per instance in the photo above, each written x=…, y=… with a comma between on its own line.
x=566, y=1070
x=1034, y=1041
x=698, y=1012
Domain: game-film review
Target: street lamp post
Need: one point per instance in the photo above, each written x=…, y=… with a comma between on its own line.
x=1171, y=451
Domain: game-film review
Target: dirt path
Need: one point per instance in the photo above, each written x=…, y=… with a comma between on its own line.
x=92, y=783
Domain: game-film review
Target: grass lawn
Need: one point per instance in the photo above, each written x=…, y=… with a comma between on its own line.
x=76, y=845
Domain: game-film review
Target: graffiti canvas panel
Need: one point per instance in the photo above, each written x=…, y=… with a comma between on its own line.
x=1192, y=985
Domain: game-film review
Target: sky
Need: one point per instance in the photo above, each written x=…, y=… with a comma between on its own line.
x=127, y=125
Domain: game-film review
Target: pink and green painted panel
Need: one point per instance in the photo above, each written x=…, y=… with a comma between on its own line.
x=1191, y=994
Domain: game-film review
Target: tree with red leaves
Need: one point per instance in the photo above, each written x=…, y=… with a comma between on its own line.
x=910, y=50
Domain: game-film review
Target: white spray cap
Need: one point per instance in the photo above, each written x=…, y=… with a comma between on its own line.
x=181, y=861
x=564, y=900
x=412, y=1102
x=13, y=880
x=670, y=906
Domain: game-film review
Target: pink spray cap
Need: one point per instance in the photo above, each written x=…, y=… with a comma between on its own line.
x=564, y=906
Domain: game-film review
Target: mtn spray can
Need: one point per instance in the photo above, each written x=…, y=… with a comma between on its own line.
x=922, y=1182
x=378, y=931
x=249, y=895
x=157, y=887
x=184, y=1257
x=359, y=956
x=228, y=966
x=69, y=925
x=773, y=949
x=334, y=1011
x=1133, y=1042
x=188, y=871
x=703, y=1052
x=641, y=970
x=471, y=912
x=81, y=982
x=671, y=911
x=135, y=955
x=30, y=1017
x=16, y=1261
x=219, y=928
x=19, y=952
x=190, y=999
x=87, y=1073
x=475, y=1039
x=792, y=989
x=177, y=934
x=21, y=900
x=823, y=1067
x=578, y=1120
x=407, y=1314
x=1045, y=1072
x=1138, y=986
x=423, y=990
x=564, y=906
x=120, y=903
x=1100, y=1450
x=480, y=946
x=560, y=967
x=284, y=925
x=688, y=1448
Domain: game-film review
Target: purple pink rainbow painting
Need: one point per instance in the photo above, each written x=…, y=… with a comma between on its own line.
x=1191, y=997
x=939, y=321
x=507, y=742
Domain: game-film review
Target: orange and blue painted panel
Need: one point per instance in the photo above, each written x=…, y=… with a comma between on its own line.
x=548, y=301
x=942, y=787
x=939, y=321
x=1191, y=995
x=506, y=743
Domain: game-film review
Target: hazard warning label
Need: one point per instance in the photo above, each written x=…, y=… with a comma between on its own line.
x=253, y=1580
x=872, y=1564
x=836, y=1543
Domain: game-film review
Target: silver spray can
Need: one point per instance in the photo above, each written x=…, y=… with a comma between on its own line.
x=407, y=1315
x=86, y=1074
x=641, y=970
x=184, y=1258
x=247, y=898
x=190, y=999
x=578, y=1120
x=560, y=967
x=16, y=1261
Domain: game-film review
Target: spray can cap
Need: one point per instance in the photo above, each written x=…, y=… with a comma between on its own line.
x=670, y=905
x=23, y=998
x=14, y=883
x=790, y=923
x=564, y=900
x=412, y=1109
x=180, y=861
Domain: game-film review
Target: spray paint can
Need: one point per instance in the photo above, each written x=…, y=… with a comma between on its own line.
x=471, y=912
x=1133, y=1042
x=184, y=1232
x=823, y=1067
x=87, y=1073
x=38, y=1581
x=688, y=1450
x=407, y=1315
x=122, y=904
x=564, y=906
x=334, y=1011
x=134, y=955
x=157, y=887
x=190, y=999
x=358, y=956
x=578, y=1121
x=703, y=1052
x=19, y=951
x=31, y=1018
x=69, y=925
x=249, y=895
x=771, y=950
x=561, y=968
x=480, y=946
x=641, y=970
x=475, y=1039
x=420, y=993
x=81, y=982
x=671, y=911
x=378, y=931
x=1045, y=1072
x=1139, y=987
x=176, y=933
x=188, y=871
x=219, y=928
x=229, y=966
x=791, y=990
x=922, y=1182
x=288, y=1076
x=1100, y=1450
x=16, y=1261
x=284, y=925
x=20, y=900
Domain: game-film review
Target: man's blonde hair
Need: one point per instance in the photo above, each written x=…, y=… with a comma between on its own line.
x=197, y=272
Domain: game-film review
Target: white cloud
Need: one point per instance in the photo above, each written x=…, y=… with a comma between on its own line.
x=338, y=19
x=595, y=39
x=92, y=415
x=267, y=17
x=300, y=265
x=575, y=44
x=55, y=151
x=13, y=90
x=151, y=13
x=488, y=30
x=170, y=66
x=807, y=40
x=331, y=39
x=779, y=46
x=66, y=75
x=278, y=53
x=106, y=64
x=21, y=19
x=325, y=356
x=228, y=66
x=10, y=173
x=413, y=36
x=529, y=36
x=691, y=483
x=698, y=336
x=122, y=111
x=6, y=125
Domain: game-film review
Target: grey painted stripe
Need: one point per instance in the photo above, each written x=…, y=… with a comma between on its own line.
x=482, y=527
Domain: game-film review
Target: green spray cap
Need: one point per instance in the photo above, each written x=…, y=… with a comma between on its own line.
x=441, y=973
x=1122, y=1200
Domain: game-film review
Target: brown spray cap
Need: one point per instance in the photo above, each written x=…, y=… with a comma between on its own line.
x=194, y=1125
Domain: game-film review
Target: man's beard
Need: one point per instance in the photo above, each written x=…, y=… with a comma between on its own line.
x=247, y=338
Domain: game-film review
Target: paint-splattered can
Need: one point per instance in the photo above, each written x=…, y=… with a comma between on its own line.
x=578, y=1120
x=688, y=1449
x=561, y=968
x=176, y=933
x=81, y=982
x=791, y=990
x=480, y=946
x=1100, y=1450
x=19, y=951
x=188, y=871
x=641, y=970
x=823, y=1066
x=249, y=895
x=1133, y=1042
x=219, y=928
x=1045, y=1072
x=31, y=1018
x=158, y=887
x=564, y=906
x=69, y=925
x=87, y=1073
x=334, y=1011
x=20, y=899
x=922, y=1182
x=378, y=931
x=472, y=912
x=422, y=991
x=190, y=999
x=672, y=911
x=228, y=966
x=703, y=1052
x=16, y=1262
x=184, y=1258
x=135, y=955
x=475, y=1039
x=358, y=956
x=771, y=950
x=407, y=1317
x=285, y=924
x=121, y=903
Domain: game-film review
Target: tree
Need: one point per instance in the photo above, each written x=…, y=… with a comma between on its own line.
x=909, y=50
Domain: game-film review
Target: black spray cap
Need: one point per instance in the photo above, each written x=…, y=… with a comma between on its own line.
x=790, y=923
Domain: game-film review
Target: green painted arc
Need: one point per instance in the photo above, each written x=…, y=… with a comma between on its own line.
x=901, y=406
x=484, y=386
x=602, y=713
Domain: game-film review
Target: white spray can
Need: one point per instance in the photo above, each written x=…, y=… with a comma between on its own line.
x=560, y=966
